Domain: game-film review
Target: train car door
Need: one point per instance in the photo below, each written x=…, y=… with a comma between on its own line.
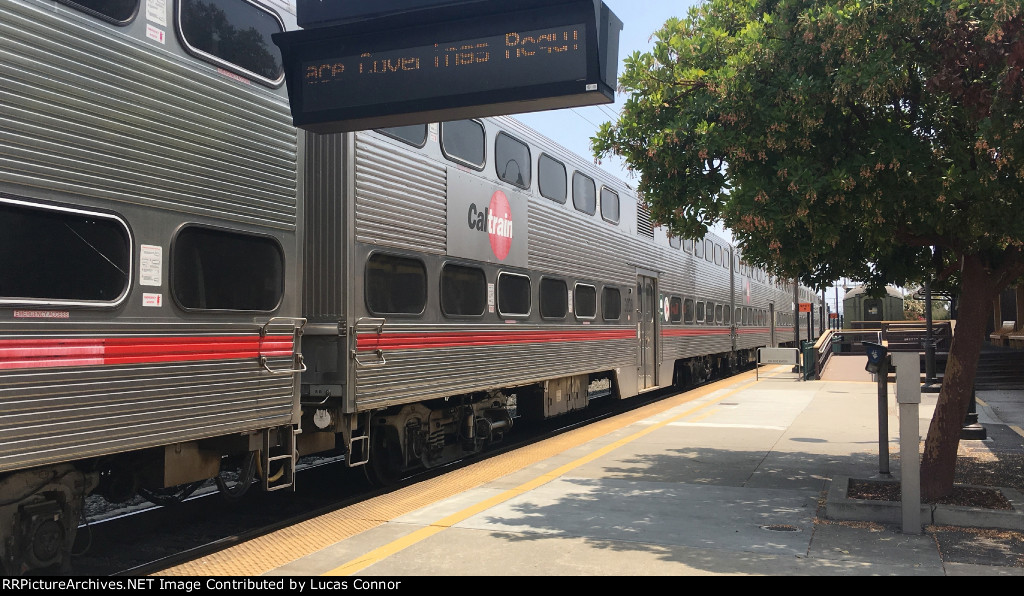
x=647, y=332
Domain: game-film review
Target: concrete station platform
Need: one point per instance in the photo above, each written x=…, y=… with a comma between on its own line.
x=728, y=479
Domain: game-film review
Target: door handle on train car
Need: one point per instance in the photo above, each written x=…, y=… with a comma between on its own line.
x=372, y=322
x=297, y=323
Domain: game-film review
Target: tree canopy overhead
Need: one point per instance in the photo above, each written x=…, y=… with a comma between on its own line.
x=876, y=140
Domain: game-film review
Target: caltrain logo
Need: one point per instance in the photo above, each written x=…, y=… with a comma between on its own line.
x=496, y=221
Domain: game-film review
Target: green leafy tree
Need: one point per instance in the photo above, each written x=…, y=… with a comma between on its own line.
x=876, y=140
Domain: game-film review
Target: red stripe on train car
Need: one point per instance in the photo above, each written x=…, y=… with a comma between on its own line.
x=69, y=352
x=693, y=332
x=415, y=341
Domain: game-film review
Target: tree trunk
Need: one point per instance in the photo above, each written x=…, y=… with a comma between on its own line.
x=940, y=448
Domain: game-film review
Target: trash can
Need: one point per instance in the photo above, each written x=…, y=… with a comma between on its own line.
x=810, y=362
x=837, y=344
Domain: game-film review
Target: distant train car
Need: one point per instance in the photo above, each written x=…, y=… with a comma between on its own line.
x=191, y=286
x=859, y=306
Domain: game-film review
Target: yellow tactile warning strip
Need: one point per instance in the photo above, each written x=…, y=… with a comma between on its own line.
x=1013, y=427
x=263, y=554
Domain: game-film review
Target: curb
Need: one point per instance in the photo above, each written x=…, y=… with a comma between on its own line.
x=840, y=507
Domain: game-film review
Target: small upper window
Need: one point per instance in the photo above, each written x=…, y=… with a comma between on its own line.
x=463, y=291
x=513, y=295
x=718, y=255
x=554, y=298
x=214, y=269
x=675, y=309
x=115, y=11
x=585, y=297
x=235, y=34
x=463, y=141
x=584, y=193
x=674, y=241
x=395, y=285
x=551, y=178
x=698, y=249
x=609, y=205
x=415, y=135
x=62, y=255
x=512, y=160
x=611, y=304
x=709, y=251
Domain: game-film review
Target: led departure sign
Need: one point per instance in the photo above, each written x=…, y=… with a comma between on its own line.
x=357, y=76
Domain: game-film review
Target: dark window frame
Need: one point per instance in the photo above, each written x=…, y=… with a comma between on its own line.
x=529, y=295
x=222, y=62
x=102, y=15
x=618, y=205
x=675, y=301
x=576, y=301
x=604, y=303
x=592, y=185
x=528, y=178
x=689, y=314
x=405, y=314
x=540, y=179
x=386, y=132
x=442, y=294
x=459, y=159
x=546, y=281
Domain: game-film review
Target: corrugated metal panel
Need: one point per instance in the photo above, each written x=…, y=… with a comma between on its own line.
x=53, y=415
x=401, y=197
x=323, y=248
x=87, y=109
x=414, y=375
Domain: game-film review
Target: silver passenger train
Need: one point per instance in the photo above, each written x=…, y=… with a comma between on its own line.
x=190, y=285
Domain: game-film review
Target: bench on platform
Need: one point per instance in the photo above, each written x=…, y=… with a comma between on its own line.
x=1001, y=337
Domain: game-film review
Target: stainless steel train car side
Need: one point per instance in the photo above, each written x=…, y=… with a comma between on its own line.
x=457, y=279
x=149, y=221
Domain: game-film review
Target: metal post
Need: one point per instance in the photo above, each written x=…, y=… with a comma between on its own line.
x=838, y=326
x=883, y=418
x=972, y=429
x=929, y=339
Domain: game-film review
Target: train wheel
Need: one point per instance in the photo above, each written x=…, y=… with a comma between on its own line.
x=385, y=465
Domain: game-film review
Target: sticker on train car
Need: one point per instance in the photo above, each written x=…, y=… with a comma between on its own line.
x=486, y=223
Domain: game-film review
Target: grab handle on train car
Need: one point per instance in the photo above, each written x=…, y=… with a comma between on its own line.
x=369, y=324
x=296, y=323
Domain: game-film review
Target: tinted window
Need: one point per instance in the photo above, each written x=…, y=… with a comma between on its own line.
x=222, y=270
x=688, y=245
x=718, y=255
x=234, y=33
x=611, y=304
x=709, y=251
x=395, y=285
x=513, y=295
x=463, y=291
x=674, y=241
x=739, y=315
x=718, y=314
x=675, y=309
x=585, y=298
x=118, y=11
x=554, y=298
x=609, y=205
x=415, y=135
x=584, y=193
x=463, y=141
x=727, y=316
x=700, y=312
x=512, y=160
x=709, y=313
x=688, y=311
x=698, y=249
x=49, y=254
x=551, y=178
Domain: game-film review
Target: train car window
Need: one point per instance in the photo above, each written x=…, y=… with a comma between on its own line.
x=709, y=313
x=719, y=316
x=688, y=245
x=554, y=298
x=234, y=34
x=119, y=12
x=585, y=298
x=675, y=309
x=463, y=291
x=610, y=206
x=709, y=251
x=62, y=255
x=611, y=304
x=551, y=178
x=512, y=160
x=464, y=141
x=395, y=285
x=584, y=193
x=739, y=315
x=698, y=249
x=513, y=295
x=415, y=135
x=718, y=254
x=748, y=316
x=214, y=269
x=727, y=316
x=674, y=241
x=699, y=316
x=688, y=311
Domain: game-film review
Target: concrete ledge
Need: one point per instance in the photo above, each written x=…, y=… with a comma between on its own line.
x=839, y=506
